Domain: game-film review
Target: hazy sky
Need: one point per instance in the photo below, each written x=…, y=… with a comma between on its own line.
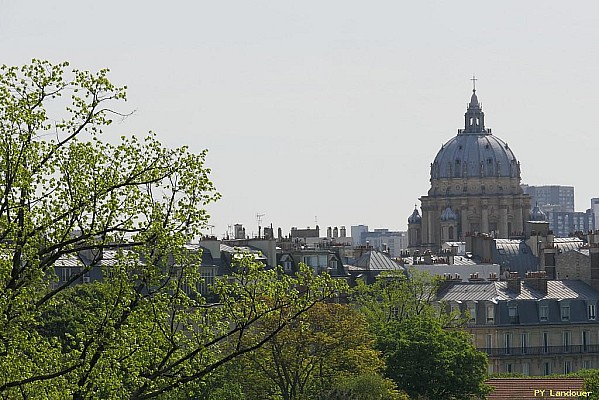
x=335, y=109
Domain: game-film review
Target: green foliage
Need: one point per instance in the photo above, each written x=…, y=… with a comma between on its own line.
x=368, y=386
x=425, y=359
x=144, y=332
x=425, y=351
x=317, y=356
x=591, y=381
x=395, y=297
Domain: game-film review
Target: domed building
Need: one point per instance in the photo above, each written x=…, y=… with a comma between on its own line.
x=475, y=188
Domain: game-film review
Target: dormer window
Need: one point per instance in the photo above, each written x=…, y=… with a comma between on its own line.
x=472, y=313
x=565, y=311
x=543, y=312
x=490, y=314
x=513, y=313
x=592, y=311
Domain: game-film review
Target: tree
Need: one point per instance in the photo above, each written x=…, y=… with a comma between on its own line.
x=316, y=357
x=426, y=352
x=424, y=359
x=144, y=331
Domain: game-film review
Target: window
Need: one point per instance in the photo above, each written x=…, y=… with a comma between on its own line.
x=507, y=342
x=525, y=369
x=545, y=336
x=546, y=368
x=207, y=275
x=490, y=314
x=524, y=342
x=587, y=364
x=585, y=341
x=567, y=367
x=287, y=266
x=489, y=342
x=65, y=274
x=472, y=313
x=513, y=314
x=508, y=367
x=565, y=311
x=454, y=308
x=567, y=340
x=543, y=313
x=592, y=310
x=334, y=264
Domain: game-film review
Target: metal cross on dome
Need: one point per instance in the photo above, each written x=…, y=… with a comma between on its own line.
x=473, y=79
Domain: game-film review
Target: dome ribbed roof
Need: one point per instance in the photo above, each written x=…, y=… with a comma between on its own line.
x=468, y=155
x=415, y=218
x=474, y=152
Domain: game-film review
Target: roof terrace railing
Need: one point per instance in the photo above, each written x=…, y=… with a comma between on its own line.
x=540, y=350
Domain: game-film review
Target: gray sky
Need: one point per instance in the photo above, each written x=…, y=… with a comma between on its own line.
x=335, y=109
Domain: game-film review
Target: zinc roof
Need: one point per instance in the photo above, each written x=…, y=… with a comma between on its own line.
x=376, y=261
x=497, y=291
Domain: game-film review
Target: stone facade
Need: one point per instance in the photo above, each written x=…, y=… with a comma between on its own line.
x=529, y=325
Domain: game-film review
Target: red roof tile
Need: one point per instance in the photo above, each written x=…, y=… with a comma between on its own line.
x=535, y=389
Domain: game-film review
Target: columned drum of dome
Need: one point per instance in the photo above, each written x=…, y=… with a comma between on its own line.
x=475, y=187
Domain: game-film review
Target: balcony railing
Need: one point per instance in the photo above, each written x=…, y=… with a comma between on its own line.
x=540, y=350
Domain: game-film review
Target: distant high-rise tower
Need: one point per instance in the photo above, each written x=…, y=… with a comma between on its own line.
x=551, y=197
x=595, y=212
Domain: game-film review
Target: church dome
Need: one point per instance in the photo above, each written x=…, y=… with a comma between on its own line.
x=415, y=218
x=474, y=152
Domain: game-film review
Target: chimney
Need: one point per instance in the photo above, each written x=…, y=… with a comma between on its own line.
x=547, y=259
x=537, y=280
x=343, y=232
x=475, y=278
x=447, y=281
x=513, y=283
x=451, y=258
x=428, y=258
x=594, y=256
x=493, y=276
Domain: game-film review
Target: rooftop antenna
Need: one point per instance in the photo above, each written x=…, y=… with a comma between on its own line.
x=259, y=220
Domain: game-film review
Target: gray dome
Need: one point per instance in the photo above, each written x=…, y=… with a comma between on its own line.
x=475, y=155
x=415, y=218
x=448, y=215
x=475, y=152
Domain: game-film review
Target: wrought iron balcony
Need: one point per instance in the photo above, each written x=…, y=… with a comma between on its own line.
x=540, y=350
